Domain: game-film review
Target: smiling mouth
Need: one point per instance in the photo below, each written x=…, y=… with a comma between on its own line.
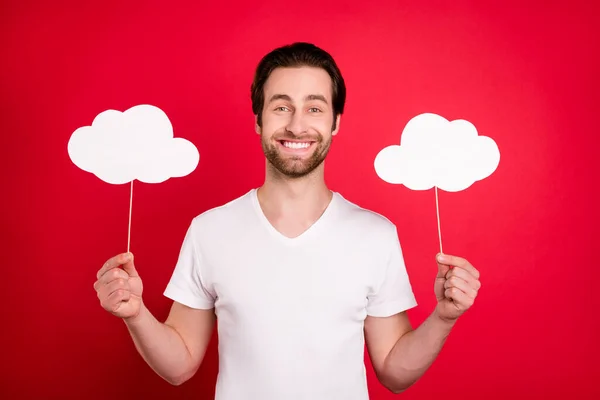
x=295, y=145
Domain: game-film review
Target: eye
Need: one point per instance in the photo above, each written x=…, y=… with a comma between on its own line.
x=314, y=109
x=281, y=108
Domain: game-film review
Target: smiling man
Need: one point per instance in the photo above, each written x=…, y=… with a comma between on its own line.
x=298, y=278
x=290, y=148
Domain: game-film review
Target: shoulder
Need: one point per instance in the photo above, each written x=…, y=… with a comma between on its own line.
x=358, y=217
x=224, y=216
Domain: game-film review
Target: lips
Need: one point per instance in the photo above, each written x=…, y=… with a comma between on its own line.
x=296, y=144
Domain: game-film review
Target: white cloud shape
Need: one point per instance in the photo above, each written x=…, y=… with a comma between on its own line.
x=436, y=152
x=135, y=144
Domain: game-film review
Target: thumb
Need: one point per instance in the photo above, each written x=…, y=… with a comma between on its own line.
x=129, y=266
x=442, y=268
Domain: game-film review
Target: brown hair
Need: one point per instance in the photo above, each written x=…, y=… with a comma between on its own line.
x=296, y=55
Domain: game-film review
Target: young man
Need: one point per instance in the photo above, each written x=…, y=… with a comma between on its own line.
x=298, y=278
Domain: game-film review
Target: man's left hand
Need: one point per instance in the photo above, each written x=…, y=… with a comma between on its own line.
x=456, y=286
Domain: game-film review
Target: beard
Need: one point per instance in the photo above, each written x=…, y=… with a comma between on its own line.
x=294, y=166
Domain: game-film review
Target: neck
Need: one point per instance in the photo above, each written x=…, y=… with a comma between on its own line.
x=301, y=197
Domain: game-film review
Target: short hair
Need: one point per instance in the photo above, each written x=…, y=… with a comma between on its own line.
x=297, y=54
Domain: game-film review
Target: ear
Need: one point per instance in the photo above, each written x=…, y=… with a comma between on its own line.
x=256, y=127
x=337, y=125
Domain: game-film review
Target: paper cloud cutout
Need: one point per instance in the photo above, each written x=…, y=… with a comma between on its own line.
x=435, y=152
x=135, y=144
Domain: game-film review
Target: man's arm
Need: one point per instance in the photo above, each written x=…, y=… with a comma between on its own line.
x=401, y=355
x=173, y=349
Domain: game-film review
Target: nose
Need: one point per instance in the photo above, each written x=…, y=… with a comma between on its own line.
x=296, y=124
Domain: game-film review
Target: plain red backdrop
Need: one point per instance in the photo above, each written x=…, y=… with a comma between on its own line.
x=524, y=74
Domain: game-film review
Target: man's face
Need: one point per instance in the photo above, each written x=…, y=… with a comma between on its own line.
x=297, y=119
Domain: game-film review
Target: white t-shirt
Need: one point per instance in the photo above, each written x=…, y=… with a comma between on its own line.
x=290, y=311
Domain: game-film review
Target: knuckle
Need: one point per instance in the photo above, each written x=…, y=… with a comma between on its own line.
x=458, y=272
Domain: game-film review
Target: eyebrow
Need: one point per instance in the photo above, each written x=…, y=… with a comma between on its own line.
x=307, y=98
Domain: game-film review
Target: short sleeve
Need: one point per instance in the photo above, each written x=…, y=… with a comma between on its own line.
x=394, y=293
x=186, y=286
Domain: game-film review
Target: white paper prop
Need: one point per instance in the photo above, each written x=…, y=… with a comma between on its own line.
x=437, y=153
x=120, y=147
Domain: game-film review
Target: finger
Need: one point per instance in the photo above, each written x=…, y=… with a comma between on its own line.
x=460, y=299
x=113, y=302
x=113, y=286
x=114, y=262
x=111, y=275
x=459, y=262
x=459, y=283
x=465, y=275
x=442, y=268
x=129, y=267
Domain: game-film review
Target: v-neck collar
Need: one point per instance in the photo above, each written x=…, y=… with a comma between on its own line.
x=310, y=231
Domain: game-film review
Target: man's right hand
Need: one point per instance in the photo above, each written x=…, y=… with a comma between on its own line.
x=120, y=289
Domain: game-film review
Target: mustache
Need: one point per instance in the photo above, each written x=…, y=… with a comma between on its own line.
x=291, y=136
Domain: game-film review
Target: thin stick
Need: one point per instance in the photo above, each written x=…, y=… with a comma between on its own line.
x=437, y=207
x=130, y=207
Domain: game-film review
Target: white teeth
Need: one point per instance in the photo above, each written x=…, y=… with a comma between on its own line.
x=296, y=145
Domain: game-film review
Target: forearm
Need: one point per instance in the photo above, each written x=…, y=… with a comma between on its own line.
x=161, y=347
x=414, y=353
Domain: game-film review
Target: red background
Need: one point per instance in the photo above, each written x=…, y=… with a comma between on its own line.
x=525, y=75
